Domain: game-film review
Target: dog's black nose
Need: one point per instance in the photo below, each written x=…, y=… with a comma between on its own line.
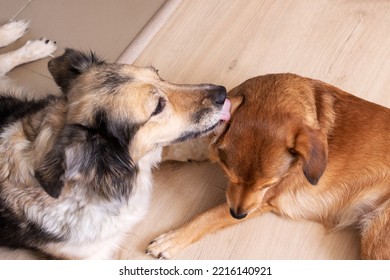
x=220, y=95
x=237, y=216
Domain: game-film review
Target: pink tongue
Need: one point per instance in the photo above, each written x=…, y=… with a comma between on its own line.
x=225, y=112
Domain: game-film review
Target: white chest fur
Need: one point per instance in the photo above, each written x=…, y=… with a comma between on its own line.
x=95, y=229
x=92, y=228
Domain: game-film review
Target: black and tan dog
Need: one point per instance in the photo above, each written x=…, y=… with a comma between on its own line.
x=75, y=169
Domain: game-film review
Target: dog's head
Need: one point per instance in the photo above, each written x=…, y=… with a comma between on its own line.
x=266, y=140
x=116, y=114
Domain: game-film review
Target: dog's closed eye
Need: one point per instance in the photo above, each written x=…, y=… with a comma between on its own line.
x=160, y=106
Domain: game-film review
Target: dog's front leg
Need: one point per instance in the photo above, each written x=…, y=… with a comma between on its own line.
x=169, y=244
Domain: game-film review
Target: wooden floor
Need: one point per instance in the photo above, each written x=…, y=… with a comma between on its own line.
x=345, y=43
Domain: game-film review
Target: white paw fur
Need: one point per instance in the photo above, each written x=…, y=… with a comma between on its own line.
x=12, y=31
x=37, y=49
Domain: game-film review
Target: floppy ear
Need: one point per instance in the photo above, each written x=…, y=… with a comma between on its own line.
x=236, y=102
x=94, y=156
x=312, y=147
x=50, y=172
x=102, y=164
x=70, y=65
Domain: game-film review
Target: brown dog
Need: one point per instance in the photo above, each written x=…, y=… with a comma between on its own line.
x=302, y=149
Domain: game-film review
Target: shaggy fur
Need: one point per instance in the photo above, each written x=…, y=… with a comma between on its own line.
x=302, y=149
x=75, y=168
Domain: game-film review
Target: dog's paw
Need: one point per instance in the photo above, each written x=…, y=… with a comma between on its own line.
x=37, y=49
x=12, y=31
x=166, y=246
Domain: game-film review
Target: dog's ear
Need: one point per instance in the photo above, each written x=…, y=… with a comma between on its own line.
x=102, y=164
x=312, y=147
x=50, y=171
x=236, y=102
x=95, y=156
x=70, y=65
x=99, y=157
